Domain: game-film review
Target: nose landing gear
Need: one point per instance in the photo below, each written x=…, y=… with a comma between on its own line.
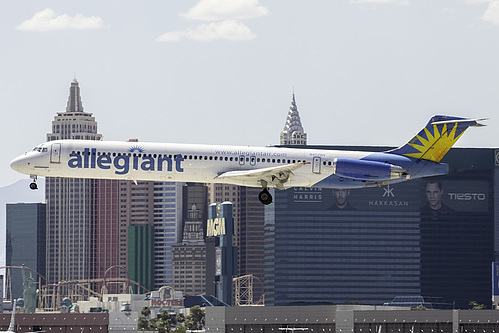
x=33, y=185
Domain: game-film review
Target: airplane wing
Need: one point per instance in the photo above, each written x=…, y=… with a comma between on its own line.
x=273, y=176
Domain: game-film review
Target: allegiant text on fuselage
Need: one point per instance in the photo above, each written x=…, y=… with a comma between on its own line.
x=89, y=159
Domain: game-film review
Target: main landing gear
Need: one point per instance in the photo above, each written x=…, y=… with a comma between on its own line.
x=33, y=185
x=265, y=197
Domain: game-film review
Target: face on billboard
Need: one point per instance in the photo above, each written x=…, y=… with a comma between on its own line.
x=434, y=195
x=341, y=196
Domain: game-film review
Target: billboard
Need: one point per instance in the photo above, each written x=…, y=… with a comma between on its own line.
x=422, y=195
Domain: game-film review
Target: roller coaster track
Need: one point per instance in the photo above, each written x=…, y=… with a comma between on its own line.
x=50, y=295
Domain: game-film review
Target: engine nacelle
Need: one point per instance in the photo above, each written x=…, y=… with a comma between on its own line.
x=367, y=170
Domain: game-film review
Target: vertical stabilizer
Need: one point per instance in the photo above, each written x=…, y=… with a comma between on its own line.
x=435, y=140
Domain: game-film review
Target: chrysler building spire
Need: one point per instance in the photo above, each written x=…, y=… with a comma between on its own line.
x=74, y=99
x=293, y=133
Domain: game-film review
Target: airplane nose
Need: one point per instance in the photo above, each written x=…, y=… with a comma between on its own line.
x=17, y=163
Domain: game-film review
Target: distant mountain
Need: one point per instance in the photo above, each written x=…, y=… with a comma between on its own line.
x=19, y=192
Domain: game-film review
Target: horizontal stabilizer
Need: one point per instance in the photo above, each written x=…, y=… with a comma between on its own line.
x=473, y=122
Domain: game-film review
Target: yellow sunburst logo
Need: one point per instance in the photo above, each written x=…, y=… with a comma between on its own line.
x=436, y=144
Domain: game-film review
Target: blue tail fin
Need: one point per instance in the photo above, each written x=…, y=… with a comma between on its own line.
x=435, y=140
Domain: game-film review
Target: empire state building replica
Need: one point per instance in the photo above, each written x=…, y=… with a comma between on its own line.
x=71, y=202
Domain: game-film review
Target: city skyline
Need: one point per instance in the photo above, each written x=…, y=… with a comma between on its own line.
x=72, y=119
x=186, y=72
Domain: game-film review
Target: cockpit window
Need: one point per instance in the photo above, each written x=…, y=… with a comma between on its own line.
x=40, y=149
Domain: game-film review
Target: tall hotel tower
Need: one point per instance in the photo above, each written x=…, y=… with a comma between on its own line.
x=71, y=212
x=293, y=133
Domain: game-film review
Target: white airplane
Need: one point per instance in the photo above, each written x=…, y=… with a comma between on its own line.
x=265, y=167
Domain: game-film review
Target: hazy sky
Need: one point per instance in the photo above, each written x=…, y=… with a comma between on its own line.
x=223, y=71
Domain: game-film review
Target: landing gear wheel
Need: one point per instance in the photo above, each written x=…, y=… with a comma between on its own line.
x=33, y=186
x=265, y=197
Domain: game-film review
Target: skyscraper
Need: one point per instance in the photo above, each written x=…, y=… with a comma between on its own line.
x=369, y=245
x=293, y=132
x=71, y=202
x=25, y=241
x=167, y=229
x=189, y=256
x=111, y=241
x=137, y=230
x=249, y=213
x=150, y=213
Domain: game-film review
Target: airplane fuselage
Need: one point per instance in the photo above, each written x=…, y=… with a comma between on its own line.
x=210, y=163
x=264, y=167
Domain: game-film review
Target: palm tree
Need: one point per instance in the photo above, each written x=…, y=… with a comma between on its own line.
x=146, y=311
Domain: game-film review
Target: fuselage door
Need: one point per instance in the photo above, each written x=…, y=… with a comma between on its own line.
x=252, y=160
x=241, y=160
x=55, y=153
x=316, y=165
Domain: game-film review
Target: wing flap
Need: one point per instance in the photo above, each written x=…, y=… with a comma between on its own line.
x=273, y=176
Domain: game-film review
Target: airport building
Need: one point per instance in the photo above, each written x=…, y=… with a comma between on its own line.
x=348, y=318
x=426, y=237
